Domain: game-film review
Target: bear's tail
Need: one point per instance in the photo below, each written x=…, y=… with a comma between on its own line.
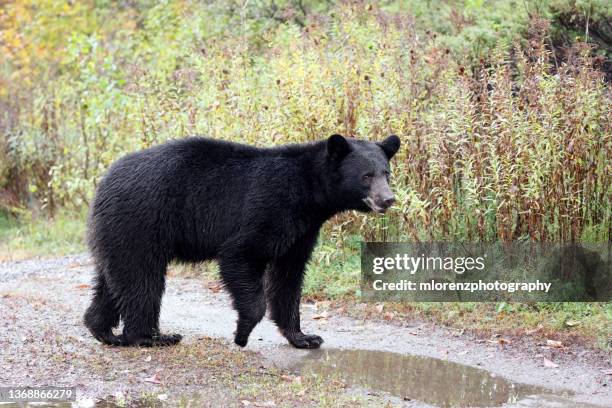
x=102, y=315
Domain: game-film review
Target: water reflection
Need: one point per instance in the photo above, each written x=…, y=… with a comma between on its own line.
x=437, y=382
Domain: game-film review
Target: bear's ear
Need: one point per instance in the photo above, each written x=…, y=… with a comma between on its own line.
x=390, y=146
x=338, y=147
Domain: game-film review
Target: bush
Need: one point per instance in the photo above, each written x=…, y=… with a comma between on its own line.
x=498, y=142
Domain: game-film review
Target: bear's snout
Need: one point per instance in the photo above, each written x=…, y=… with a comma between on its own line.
x=387, y=202
x=380, y=196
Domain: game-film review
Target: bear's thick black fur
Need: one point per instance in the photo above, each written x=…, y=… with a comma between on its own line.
x=257, y=211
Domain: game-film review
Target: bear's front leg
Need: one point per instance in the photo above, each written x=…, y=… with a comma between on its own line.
x=301, y=340
x=243, y=278
x=284, y=287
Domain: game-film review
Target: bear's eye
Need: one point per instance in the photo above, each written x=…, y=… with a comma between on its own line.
x=367, y=177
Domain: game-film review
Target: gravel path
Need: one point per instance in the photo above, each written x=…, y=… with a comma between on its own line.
x=42, y=340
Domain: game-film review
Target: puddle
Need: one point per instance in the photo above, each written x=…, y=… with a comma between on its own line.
x=437, y=382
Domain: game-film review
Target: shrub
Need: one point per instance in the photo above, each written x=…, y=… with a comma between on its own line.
x=498, y=142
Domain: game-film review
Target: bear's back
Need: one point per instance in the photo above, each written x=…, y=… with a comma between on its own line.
x=194, y=193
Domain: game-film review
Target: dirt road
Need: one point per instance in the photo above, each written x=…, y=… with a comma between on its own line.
x=42, y=342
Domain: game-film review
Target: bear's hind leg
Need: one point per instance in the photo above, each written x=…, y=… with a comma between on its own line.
x=140, y=304
x=243, y=279
x=102, y=315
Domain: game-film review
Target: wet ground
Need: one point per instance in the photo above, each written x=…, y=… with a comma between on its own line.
x=435, y=381
x=371, y=363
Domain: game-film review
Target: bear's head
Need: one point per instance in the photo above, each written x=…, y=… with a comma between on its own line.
x=360, y=172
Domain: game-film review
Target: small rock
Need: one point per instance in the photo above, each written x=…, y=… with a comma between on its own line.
x=554, y=343
x=550, y=364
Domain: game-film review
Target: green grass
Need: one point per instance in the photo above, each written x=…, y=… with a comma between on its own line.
x=334, y=274
x=589, y=321
x=334, y=270
x=41, y=237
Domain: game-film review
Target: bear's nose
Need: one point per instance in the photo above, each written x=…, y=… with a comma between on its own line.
x=388, y=202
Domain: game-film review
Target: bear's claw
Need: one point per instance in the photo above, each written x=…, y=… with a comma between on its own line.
x=157, y=340
x=241, y=340
x=307, y=341
x=166, y=339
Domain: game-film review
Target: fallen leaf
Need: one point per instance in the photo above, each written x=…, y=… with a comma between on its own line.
x=550, y=364
x=339, y=383
x=215, y=287
x=572, y=323
x=388, y=316
x=82, y=286
x=319, y=316
x=501, y=341
x=554, y=343
x=154, y=379
x=297, y=379
x=77, y=265
x=456, y=334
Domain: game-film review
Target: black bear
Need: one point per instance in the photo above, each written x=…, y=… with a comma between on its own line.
x=257, y=211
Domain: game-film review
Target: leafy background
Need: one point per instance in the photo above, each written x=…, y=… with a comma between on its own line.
x=503, y=108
